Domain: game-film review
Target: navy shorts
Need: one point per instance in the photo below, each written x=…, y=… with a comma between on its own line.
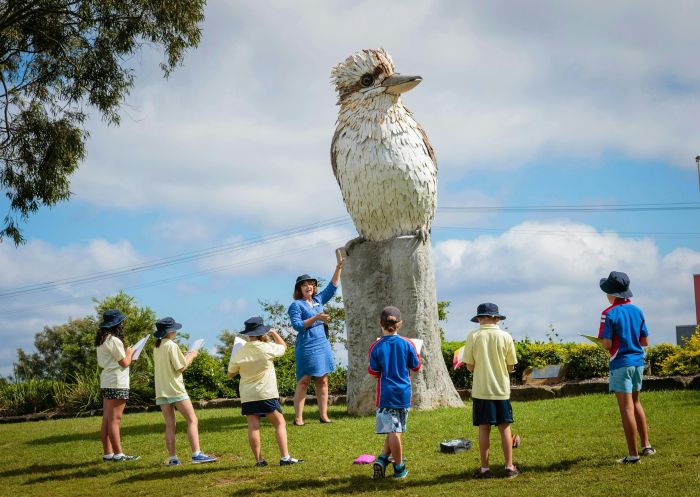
x=491, y=412
x=260, y=407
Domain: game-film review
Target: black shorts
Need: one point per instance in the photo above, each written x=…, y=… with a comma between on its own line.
x=491, y=412
x=260, y=407
x=115, y=393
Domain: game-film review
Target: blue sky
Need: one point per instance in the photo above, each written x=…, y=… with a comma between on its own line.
x=527, y=104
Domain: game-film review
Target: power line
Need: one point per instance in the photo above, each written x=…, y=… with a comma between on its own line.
x=172, y=279
x=177, y=259
x=659, y=207
x=570, y=232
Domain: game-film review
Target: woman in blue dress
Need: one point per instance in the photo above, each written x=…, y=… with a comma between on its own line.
x=313, y=353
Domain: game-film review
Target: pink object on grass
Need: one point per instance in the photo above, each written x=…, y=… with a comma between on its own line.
x=364, y=459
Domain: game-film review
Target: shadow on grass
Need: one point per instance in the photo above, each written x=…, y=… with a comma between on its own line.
x=47, y=468
x=205, y=425
x=358, y=483
x=171, y=473
x=235, y=421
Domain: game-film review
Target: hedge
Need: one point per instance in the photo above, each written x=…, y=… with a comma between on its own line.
x=206, y=377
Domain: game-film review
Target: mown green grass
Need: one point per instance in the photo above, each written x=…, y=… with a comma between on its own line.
x=568, y=449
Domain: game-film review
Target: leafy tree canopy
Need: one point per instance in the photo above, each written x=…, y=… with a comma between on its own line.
x=58, y=57
x=65, y=350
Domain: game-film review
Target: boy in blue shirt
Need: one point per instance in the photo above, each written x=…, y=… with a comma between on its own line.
x=624, y=332
x=390, y=359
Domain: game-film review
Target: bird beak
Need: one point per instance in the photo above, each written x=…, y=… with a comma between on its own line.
x=396, y=84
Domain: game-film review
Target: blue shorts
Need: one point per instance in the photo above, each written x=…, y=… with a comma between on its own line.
x=260, y=407
x=626, y=380
x=391, y=420
x=491, y=412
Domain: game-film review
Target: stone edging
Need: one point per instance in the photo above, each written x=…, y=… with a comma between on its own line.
x=518, y=393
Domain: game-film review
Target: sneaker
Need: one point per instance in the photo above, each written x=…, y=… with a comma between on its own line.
x=512, y=472
x=627, y=460
x=202, y=458
x=379, y=467
x=124, y=457
x=648, y=451
x=400, y=471
x=107, y=458
x=174, y=462
x=261, y=463
x=481, y=474
x=289, y=461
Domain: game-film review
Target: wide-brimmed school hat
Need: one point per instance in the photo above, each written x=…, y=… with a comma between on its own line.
x=616, y=284
x=487, y=309
x=111, y=318
x=254, y=327
x=303, y=278
x=165, y=326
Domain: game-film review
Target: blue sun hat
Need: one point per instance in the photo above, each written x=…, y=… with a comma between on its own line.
x=111, y=318
x=303, y=278
x=254, y=327
x=487, y=309
x=165, y=326
x=616, y=284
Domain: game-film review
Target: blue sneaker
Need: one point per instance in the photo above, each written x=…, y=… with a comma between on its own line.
x=400, y=471
x=379, y=467
x=174, y=461
x=202, y=458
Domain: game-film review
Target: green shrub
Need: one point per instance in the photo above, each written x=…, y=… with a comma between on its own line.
x=538, y=354
x=586, y=361
x=83, y=393
x=206, y=379
x=30, y=396
x=657, y=354
x=686, y=359
x=461, y=377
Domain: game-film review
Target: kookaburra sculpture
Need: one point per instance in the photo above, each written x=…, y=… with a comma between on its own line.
x=381, y=157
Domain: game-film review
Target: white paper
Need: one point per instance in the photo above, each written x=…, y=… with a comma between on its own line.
x=196, y=345
x=237, y=344
x=418, y=343
x=139, y=347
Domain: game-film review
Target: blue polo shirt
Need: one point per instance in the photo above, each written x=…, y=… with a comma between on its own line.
x=624, y=324
x=390, y=359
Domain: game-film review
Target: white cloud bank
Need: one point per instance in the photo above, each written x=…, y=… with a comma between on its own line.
x=540, y=279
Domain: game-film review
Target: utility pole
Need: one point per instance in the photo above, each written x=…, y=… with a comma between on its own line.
x=697, y=161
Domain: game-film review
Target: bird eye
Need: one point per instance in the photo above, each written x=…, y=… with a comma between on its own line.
x=367, y=80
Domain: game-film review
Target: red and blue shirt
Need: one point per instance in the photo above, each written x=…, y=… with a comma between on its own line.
x=390, y=359
x=624, y=324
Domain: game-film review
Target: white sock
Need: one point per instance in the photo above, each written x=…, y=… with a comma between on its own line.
x=194, y=454
x=121, y=454
x=484, y=470
x=108, y=456
x=286, y=458
x=173, y=458
x=632, y=458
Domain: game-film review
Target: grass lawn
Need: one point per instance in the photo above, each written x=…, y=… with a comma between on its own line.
x=568, y=449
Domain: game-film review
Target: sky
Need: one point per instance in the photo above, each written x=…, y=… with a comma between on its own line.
x=221, y=173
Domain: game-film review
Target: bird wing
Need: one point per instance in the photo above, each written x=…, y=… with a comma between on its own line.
x=426, y=142
x=334, y=164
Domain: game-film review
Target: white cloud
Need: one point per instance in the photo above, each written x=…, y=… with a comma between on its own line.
x=539, y=279
x=38, y=262
x=228, y=306
x=242, y=131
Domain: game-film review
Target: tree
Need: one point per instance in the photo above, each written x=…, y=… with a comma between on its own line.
x=65, y=350
x=58, y=57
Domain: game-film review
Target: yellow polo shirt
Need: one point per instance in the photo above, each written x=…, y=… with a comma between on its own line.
x=168, y=359
x=492, y=351
x=253, y=362
x=108, y=356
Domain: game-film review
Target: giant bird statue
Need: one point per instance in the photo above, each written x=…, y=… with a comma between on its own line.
x=381, y=157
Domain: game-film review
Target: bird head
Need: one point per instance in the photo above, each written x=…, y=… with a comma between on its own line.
x=367, y=74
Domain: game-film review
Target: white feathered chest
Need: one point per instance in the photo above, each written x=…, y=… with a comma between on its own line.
x=384, y=164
